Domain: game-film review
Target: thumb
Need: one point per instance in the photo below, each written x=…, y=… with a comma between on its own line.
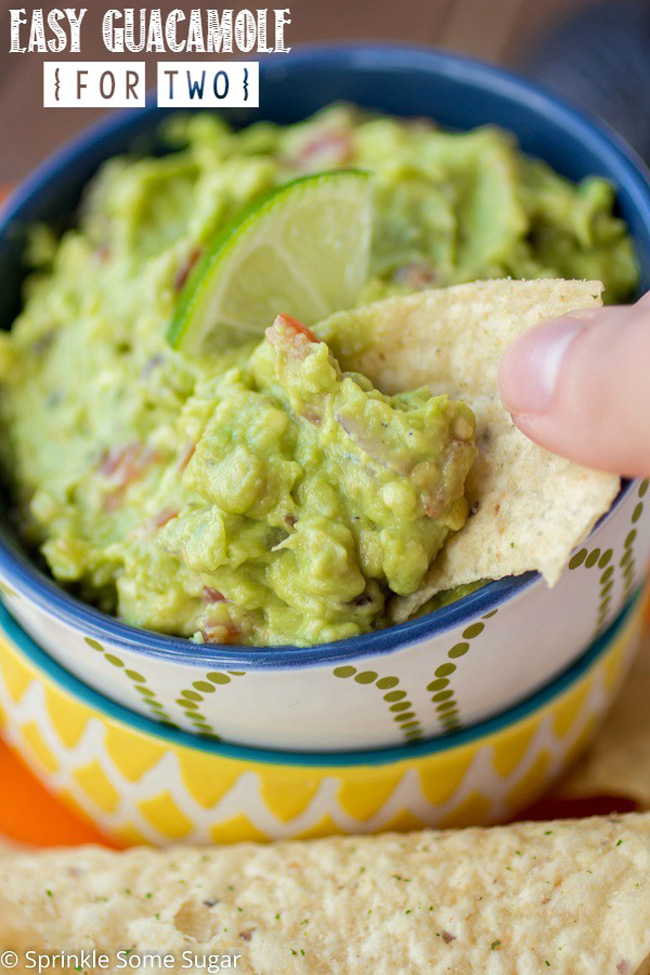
x=580, y=386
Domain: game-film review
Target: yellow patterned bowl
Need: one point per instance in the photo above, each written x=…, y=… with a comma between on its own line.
x=139, y=781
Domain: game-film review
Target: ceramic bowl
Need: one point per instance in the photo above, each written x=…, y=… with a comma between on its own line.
x=141, y=783
x=422, y=678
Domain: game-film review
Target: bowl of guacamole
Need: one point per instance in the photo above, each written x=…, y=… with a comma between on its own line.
x=235, y=542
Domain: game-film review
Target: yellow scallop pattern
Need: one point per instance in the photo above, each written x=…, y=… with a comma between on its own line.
x=94, y=782
x=139, y=788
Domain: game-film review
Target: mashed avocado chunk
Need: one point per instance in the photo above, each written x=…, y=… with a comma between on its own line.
x=282, y=505
x=263, y=496
x=450, y=207
x=309, y=495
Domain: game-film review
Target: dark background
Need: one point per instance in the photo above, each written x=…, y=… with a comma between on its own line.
x=500, y=31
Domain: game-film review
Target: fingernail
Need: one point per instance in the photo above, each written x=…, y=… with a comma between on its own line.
x=530, y=367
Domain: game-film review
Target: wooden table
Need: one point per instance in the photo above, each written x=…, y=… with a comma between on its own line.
x=496, y=30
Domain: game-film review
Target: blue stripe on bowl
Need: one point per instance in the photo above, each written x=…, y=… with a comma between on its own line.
x=385, y=756
x=25, y=578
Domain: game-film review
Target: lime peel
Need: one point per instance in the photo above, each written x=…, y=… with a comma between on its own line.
x=303, y=249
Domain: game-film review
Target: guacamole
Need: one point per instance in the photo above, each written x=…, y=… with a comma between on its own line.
x=263, y=496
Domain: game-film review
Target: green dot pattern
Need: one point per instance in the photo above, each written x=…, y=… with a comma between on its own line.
x=458, y=651
x=578, y=559
x=443, y=696
x=138, y=681
x=366, y=677
x=344, y=671
x=183, y=703
x=445, y=706
x=112, y=659
x=135, y=676
x=627, y=564
x=472, y=631
x=399, y=707
x=386, y=682
x=628, y=560
x=601, y=560
x=606, y=582
x=404, y=716
x=444, y=670
x=191, y=698
x=218, y=678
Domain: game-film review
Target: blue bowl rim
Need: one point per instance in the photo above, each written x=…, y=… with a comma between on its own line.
x=370, y=757
x=29, y=580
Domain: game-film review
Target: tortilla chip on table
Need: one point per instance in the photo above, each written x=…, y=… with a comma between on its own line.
x=568, y=897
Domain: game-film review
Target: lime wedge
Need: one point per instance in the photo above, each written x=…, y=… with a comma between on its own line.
x=302, y=250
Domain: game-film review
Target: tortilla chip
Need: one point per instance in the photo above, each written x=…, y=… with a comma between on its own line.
x=618, y=764
x=570, y=897
x=530, y=507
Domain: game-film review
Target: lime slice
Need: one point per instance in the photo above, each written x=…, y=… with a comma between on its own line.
x=302, y=250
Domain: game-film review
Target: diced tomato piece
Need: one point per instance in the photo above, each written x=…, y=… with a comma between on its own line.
x=211, y=595
x=186, y=268
x=187, y=457
x=161, y=519
x=417, y=276
x=327, y=149
x=123, y=466
x=118, y=458
x=226, y=633
x=296, y=327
